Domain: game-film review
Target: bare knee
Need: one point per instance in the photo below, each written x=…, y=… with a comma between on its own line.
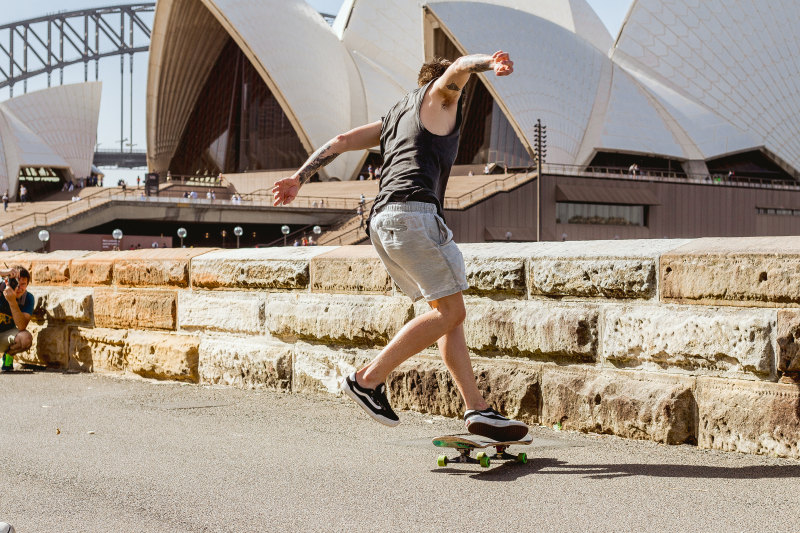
x=452, y=309
x=22, y=341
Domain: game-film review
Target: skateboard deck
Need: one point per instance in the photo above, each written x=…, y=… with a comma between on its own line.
x=465, y=444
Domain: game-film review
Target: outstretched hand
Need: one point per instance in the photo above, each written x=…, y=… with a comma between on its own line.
x=502, y=64
x=285, y=191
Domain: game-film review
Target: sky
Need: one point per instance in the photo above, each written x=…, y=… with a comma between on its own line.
x=611, y=12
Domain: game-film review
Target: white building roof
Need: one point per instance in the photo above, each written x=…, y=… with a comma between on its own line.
x=736, y=61
x=684, y=79
x=55, y=128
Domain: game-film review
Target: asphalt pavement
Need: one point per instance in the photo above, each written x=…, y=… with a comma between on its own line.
x=84, y=452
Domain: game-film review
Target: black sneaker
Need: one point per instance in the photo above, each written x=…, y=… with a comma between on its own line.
x=489, y=423
x=373, y=401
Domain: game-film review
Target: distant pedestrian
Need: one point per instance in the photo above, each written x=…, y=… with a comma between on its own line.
x=5, y=201
x=138, y=181
x=633, y=170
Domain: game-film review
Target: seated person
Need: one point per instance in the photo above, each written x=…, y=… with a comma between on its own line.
x=16, y=308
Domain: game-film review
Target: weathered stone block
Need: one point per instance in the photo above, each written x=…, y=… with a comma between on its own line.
x=97, y=349
x=608, y=269
x=632, y=405
x=319, y=368
x=259, y=268
x=234, y=311
x=49, y=348
x=135, y=308
x=64, y=304
x=354, y=320
x=155, y=267
x=531, y=329
x=350, y=269
x=735, y=342
x=749, y=417
x=789, y=343
x=163, y=355
x=497, y=269
x=424, y=384
x=94, y=269
x=248, y=363
x=754, y=271
x=54, y=268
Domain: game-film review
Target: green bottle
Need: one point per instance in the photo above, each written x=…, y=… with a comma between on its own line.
x=8, y=362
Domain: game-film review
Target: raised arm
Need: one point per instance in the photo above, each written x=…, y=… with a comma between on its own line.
x=448, y=87
x=360, y=138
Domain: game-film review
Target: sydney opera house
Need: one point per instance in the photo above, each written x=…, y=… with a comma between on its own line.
x=48, y=137
x=696, y=94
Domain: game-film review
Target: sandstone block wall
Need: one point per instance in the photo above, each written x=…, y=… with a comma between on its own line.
x=675, y=341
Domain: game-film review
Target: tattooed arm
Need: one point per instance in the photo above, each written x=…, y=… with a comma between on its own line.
x=449, y=86
x=361, y=138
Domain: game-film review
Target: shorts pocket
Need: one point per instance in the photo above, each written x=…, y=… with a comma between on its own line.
x=445, y=233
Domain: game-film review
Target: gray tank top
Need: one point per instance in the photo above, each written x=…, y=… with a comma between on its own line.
x=416, y=162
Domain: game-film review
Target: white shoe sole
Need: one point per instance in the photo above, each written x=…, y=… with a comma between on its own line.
x=378, y=418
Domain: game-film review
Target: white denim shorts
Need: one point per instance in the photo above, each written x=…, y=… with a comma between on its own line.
x=417, y=248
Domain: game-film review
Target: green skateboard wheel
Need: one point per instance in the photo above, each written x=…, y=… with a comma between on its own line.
x=522, y=458
x=442, y=460
x=483, y=459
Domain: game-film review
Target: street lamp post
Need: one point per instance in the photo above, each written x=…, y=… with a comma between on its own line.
x=317, y=231
x=285, y=230
x=44, y=236
x=540, y=138
x=182, y=235
x=117, y=234
x=238, y=232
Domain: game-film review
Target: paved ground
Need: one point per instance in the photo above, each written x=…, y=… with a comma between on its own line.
x=87, y=453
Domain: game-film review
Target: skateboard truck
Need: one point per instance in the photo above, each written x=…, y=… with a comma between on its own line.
x=465, y=447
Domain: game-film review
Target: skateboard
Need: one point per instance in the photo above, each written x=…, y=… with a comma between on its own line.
x=466, y=443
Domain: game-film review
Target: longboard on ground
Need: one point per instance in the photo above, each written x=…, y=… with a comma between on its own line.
x=465, y=444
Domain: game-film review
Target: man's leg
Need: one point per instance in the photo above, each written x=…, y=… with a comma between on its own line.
x=479, y=417
x=22, y=341
x=453, y=348
x=416, y=335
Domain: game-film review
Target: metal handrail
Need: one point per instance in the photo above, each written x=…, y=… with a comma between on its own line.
x=667, y=176
x=479, y=193
x=339, y=238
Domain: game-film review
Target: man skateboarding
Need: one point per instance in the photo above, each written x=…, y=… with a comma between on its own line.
x=418, y=138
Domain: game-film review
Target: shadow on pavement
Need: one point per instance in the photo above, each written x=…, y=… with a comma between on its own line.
x=510, y=471
x=507, y=471
x=676, y=471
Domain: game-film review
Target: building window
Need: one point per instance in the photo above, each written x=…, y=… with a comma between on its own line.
x=778, y=211
x=601, y=214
